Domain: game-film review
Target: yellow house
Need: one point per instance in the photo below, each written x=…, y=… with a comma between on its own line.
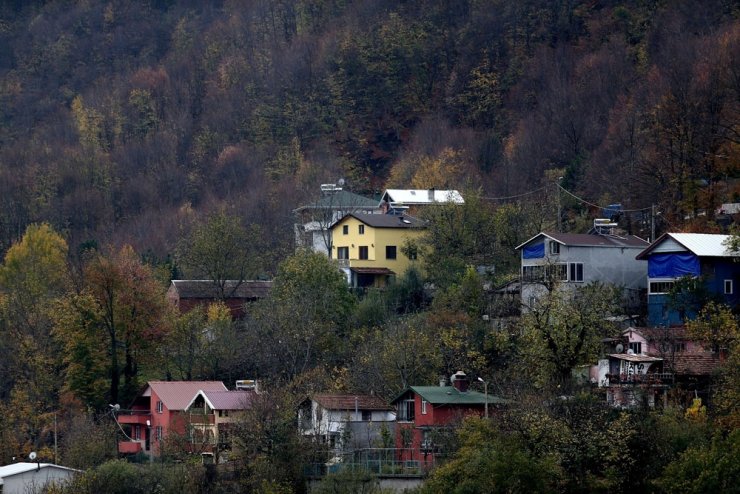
x=369, y=247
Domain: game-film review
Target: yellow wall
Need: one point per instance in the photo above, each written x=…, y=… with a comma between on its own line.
x=376, y=240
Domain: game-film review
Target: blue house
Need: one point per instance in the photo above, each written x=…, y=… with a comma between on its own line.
x=676, y=255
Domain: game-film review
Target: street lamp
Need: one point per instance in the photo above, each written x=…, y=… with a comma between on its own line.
x=485, y=391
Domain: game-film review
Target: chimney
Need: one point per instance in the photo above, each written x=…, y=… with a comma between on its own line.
x=460, y=381
x=442, y=381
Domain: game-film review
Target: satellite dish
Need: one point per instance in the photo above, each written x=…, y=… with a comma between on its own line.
x=340, y=182
x=32, y=456
x=619, y=348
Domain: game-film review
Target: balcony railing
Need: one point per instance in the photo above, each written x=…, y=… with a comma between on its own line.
x=130, y=447
x=653, y=379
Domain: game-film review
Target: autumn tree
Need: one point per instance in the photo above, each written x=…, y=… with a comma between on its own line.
x=221, y=249
x=565, y=328
x=108, y=327
x=305, y=318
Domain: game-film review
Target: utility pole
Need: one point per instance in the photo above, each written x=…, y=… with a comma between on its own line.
x=560, y=221
x=652, y=223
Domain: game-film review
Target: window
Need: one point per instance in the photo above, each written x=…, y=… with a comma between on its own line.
x=406, y=410
x=636, y=346
x=423, y=407
x=657, y=287
x=342, y=252
x=137, y=432
x=554, y=248
x=390, y=251
x=159, y=433
x=559, y=272
x=361, y=229
x=367, y=415
x=363, y=251
x=533, y=273
x=159, y=407
x=576, y=271
x=679, y=347
x=728, y=287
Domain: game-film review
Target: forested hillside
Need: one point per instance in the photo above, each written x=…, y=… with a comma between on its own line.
x=142, y=141
x=123, y=121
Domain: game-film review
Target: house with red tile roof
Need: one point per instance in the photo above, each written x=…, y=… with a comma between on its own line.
x=346, y=422
x=198, y=412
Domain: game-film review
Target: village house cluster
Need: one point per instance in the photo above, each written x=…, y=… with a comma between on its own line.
x=372, y=242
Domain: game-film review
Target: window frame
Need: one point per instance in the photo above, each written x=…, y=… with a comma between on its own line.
x=394, y=252
x=731, y=284
x=342, y=250
x=361, y=229
x=363, y=253
x=668, y=282
x=554, y=248
x=159, y=433
x=366, y=415
x=423, y=406
x=160, y=406
x=573, y=272
x=345, y=229
x=635, y=346
x=404, y=407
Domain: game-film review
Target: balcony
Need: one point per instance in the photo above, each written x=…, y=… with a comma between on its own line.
x=652, y=379
x=342, y=263
x=134, y=417
x=130, y=447
x=199, y=418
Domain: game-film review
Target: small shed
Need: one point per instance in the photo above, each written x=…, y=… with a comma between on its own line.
x=21, y=478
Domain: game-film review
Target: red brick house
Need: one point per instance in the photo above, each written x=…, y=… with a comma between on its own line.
x=426, y=415
x=169, y=409
x=189, y=294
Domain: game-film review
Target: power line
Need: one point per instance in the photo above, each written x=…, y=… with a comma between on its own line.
x=504, y=198
x=584, y=201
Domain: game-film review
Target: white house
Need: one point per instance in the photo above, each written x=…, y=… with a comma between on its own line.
x=574, y=259
x=22, y=478
x=346, y=421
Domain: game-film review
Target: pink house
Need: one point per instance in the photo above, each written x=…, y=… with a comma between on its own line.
x=164, y=409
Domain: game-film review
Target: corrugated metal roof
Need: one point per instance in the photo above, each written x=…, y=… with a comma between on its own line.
x=177, y=395
x=23, y=467
x=233, y=288
x=450, y=395
x=342, y=200
x=350, y=401
x=700, y=244
x=704, y=244
x=592, y=240
x=422, y=196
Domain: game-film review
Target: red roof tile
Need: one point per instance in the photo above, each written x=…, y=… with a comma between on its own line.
x=348, y=401
x=694, y=364
x=176, y=395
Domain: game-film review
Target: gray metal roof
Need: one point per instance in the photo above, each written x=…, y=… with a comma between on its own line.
x=23, y=467
x=592, y=240
x=700, y=244
x=422, y=196
x=342, y=200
